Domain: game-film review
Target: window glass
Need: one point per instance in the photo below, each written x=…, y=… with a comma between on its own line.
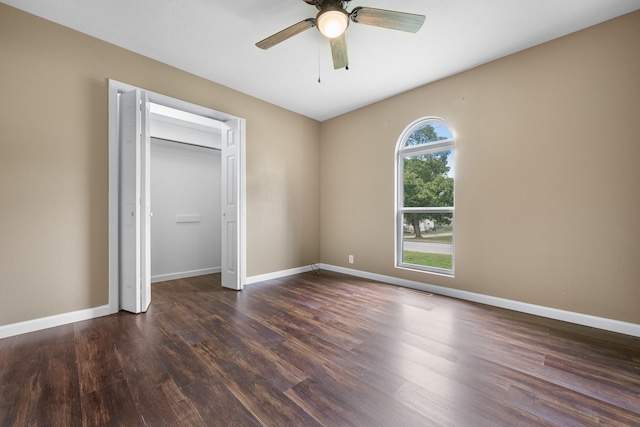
x=428, y=180
x=429, y=132
x=433, y=245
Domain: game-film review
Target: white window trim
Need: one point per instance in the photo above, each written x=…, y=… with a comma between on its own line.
x=401, y=153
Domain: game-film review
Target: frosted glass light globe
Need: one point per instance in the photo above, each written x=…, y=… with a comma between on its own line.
x=332, y=22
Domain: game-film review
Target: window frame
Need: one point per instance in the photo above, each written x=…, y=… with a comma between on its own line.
x=401, y=153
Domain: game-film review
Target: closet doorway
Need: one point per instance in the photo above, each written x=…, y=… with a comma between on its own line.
x=186, y=205
x=136, y=115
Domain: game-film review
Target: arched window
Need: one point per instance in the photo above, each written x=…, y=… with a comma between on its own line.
x=424, y=188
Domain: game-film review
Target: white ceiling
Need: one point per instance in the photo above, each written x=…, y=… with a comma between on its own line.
x=216, y=40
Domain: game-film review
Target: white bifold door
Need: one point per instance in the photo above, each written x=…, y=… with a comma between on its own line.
x=231, y=243
x=134, y=203
x=135, y=221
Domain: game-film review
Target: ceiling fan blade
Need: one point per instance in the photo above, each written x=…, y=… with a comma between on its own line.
x=402, y=21
x=286, y=33
x=339, y=51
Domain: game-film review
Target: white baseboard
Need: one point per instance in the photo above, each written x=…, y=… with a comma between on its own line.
x=538, y=310
x=183, y=274
x=52, y=321
x=276, y=274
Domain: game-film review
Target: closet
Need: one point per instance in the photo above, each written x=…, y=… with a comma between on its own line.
x=185, y=171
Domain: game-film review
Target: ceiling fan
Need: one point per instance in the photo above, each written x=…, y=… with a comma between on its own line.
x=332, y=21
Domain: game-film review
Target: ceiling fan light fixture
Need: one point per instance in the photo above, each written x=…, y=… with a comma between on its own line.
x=332, y=22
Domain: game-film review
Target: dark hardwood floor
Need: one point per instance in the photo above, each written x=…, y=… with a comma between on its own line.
x=318, y=350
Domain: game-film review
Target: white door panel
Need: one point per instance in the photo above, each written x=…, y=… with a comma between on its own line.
x=135, y=290
x=145, y=197
x=231, y=205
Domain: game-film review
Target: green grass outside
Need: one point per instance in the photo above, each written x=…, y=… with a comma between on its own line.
x=427, y=259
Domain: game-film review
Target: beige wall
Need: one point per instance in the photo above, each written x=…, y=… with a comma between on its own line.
x=547, y=175
x=53, y=166
x=546, y=189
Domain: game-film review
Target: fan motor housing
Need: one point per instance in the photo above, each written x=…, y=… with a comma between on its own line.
x=323, y=4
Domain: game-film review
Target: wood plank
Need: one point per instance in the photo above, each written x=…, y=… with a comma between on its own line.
x=626, y=399
x=351, y=399
x=217, y=405
x=446, y=406
x=318, y=358
x=97, y=360
x=565, y=407
x=268, y=405
x=110, y=406
x=180, y=359
x=240, y=322
x=157, y=397
x=39, y=382
x=279, y=319
x=228, y=345
x=55, y=394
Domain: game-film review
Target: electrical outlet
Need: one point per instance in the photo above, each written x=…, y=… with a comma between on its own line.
x=350, y=259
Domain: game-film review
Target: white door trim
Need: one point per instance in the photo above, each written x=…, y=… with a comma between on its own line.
x=116, y=87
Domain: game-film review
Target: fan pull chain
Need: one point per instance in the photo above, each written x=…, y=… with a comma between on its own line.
x=319, y=81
